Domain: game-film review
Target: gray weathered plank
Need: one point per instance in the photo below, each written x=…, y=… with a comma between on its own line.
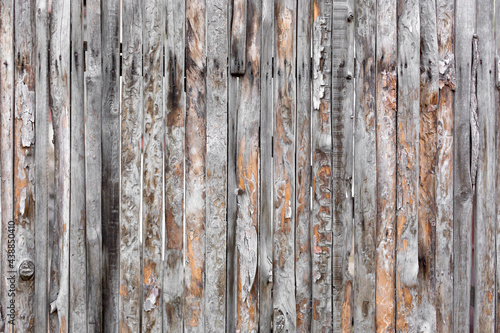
x=485, y=201
x=497, y=109
x=407, y=166
x=365, y=190
x=131, y=192
x=284, y=89
x=444, y=171
x=77, y=249
x=60, y=106
x=238, y=30
x=216, y=173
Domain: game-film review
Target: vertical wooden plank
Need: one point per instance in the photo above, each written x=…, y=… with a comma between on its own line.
x=173, y=276
x=303, y=272
x=60, y=106
x=216, y=173
x=445, y=164
x=284, y=310
x=322, y=166
x=365, y=190
x=407, y=165
x=429, y=85
x=238, y=36
x=386, y=108
x=110, y=108
x=153, y=166
x=77, y=248
x=465, y=16
x=41, y=309
x=485, y=203
x=131, y=191
x=93, y=160
x=194, y=305
x=342, y=154
x=497, y=110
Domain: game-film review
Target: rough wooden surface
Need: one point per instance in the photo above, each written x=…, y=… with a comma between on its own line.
x=131, y=191
x=407, y=166
x=284, y=308
x=445, y=164
x=365, y=200
x=429, y=93
x=465, y=14
x=485, y=214
x=60, y=106
x=386, y=104
x=497, y=110
x=77, y=247
x=238, y=31
x=194, y=303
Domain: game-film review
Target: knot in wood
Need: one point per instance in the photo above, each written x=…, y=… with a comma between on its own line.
x=26, y=269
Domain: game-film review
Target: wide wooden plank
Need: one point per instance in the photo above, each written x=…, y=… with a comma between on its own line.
x=131, y=193
x=284, y=89
x=407, y=166
x=303, y=272
x=60, y=106
x=485, y=202
x=429, y=92
x=445, y=165
x=93, y=160
x=342, y=100
x=173, y=276
x=217, y=54
x=238, y=39
x=365, y=190
x=465, y=16
x=77, y=242
x=322, y=166
x=386, y=108
x=194, y=304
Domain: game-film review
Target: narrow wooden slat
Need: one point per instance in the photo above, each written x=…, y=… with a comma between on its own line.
x=322, y=166
x=407, y=166
x=93, y=160
x=173, y=276
x=445, y=165
x=216, y=173
x=41, y=308
x=131, y=192
x=342, y=154
x=497, y=109
x=60, y=106
x=110, y=131
x=465, y=17
x=485, y=201
x=77, y=248
x=365, y=168
x=386, y=108
x=194, y=304
x=429, y=90
x=153, y=166
x=303, y=272
x=238, y=36
x=284, y=308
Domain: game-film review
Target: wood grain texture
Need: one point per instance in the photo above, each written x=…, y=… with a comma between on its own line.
x=485, y=201
x=465, y=13
x=173, y=276
x=216, y=201
x=194, y=302
x=386, y=112
x=427, y=204
x=131, y=192
x=365, y=190
x=497, y=109
x=303, y=227
x=445, y=165
x=77, y=239
x=238, y=30
x=93, y=160
x=407, y=166
x=342, y=100
x=284, y=308
x=60, y=58
x=153, y=167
